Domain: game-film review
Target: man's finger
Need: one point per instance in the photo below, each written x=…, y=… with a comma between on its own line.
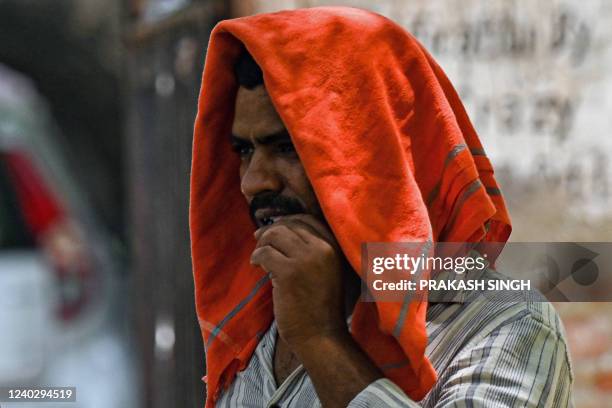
x=282, y=237
x=306, y=225
x=268, y=258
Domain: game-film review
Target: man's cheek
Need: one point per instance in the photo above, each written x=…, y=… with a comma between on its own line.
x=312, y=204
x=242, y=169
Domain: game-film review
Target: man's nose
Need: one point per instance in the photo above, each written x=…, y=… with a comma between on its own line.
x=260, y=175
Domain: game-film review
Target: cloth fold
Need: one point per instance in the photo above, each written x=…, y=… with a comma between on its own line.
x=388, y=148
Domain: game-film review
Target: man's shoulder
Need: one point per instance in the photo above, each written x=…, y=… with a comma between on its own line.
x=525, y=304
x=502, y=306
x=490, y=315
x=477, y=345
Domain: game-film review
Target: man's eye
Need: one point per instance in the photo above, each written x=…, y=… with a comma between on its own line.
x=243, y=151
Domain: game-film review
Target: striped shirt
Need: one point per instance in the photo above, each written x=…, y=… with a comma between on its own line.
x=507, y=350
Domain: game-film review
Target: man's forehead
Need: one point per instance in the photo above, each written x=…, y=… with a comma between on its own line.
x=255, y=114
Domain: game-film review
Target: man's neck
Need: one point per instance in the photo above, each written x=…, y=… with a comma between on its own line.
x=352, y=290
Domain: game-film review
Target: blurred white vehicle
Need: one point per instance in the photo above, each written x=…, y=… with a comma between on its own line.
x=24, y=316
x=58, y=276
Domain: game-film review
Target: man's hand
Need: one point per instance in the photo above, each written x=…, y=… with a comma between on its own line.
x=305, y=266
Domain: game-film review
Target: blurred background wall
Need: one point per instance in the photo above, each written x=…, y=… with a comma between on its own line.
x=119, y=81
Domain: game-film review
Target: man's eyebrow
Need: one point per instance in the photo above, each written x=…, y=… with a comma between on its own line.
x=282, y=136
x=238, y=141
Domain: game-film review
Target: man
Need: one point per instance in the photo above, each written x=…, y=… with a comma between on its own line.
x=319, y=130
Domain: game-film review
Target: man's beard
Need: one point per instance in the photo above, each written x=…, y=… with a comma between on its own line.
x=273, y=205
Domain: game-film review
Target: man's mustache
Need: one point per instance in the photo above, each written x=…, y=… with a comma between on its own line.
x=285, y=205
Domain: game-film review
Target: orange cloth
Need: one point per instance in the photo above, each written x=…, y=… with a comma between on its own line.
x=388, y=148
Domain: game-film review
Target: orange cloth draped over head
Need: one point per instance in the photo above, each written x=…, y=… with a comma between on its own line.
x=390, y=153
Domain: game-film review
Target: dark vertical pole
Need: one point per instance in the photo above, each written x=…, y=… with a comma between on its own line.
x=165, y=62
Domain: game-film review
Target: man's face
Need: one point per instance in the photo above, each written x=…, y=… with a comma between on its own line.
x=272, y=178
